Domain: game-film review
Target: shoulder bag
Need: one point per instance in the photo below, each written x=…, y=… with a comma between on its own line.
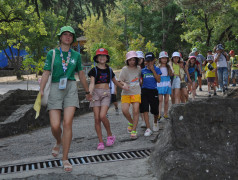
x=44, y=99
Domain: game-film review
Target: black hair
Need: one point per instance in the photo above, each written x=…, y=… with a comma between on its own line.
x=108, y=58
x=137, y=61
x=178, y=60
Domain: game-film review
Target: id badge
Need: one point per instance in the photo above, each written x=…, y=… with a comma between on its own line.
x=63, y=83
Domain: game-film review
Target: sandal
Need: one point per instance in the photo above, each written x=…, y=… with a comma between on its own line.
x=101, y=146
x=67, y=166
x=110, y=140
x=55, y=153
x=129, y=128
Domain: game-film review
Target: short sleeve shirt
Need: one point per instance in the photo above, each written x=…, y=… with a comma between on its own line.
x=210, y=73
x=101, y=75
x=58, y=72
x=234, y=61
x=149, y=81
x=200, y=58
x=221, y=61
x=131, y=76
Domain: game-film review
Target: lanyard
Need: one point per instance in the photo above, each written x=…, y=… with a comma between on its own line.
x=65, y=63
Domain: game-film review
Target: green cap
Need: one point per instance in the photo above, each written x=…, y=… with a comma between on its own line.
x=69, y=29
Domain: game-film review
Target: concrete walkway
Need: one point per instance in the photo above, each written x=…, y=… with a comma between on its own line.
x=36, y=146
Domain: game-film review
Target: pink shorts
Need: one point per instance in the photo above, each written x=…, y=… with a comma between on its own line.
x=101, y=97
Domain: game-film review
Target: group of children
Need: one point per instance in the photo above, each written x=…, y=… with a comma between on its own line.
x=145, y=87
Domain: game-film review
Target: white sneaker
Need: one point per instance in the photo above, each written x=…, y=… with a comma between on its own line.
x=143, y=125
x=148, y=132
x=156, y=127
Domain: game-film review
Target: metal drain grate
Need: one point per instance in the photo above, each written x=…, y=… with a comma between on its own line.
x=116, y=156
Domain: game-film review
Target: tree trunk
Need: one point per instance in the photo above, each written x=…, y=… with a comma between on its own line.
x=125, y=33
x=163, y=44
x=18, y=65
x=141, y=17
x=224, y=33
x=209, y=31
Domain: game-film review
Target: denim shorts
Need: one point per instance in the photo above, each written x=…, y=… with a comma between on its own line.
x=62, y=98
x=176, y=83
x=234, y=73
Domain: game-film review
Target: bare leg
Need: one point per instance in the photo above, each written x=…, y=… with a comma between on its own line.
x=173, y=96
x=105, y=121
x=184, y=95
x=115, y=105
x=177, y=95
x=200, y=81
x=194, y=87
x=166, y=104
x=135, y=106
x=97, y=120
x=209, y=87
x=147, y=122
x=156, y=118
x=125, y=110
x=160, y=103
x=67, y=130
x=55, y=116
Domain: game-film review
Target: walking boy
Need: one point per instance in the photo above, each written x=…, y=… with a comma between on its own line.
x=211, y=74
x=149, y=94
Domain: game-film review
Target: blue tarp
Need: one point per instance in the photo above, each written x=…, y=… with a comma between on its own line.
x=3, y=57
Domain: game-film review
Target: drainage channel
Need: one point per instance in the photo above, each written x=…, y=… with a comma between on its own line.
x=110, y=157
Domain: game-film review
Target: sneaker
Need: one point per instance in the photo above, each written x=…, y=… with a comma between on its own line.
x=215, y=94
x=219, y=90
x=133, y=134
x=209, y=94
x=148, y=132
x=159, y=119
x=166, y=117
x=101, y=146
x=156, y=127
x=117, y=111
x=200, y=89
x=143, y=125
x=110, y=140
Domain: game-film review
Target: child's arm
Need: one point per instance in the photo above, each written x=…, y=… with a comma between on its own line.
x=199, y=68
x=92, y=84
x=120, y=84
x=156, y=76
x=188, y=76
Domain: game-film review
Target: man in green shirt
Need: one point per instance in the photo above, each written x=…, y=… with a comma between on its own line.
x=234, y=67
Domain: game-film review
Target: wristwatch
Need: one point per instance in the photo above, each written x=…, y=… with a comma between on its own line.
x=87, y=92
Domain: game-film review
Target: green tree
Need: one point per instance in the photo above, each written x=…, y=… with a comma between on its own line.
x=17, y=20
x=97, y=31
x=207, y=23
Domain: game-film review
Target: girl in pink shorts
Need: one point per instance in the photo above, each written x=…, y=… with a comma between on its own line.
x=99, y=88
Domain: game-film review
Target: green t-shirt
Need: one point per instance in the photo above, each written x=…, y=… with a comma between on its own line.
x=234, y=61
x=58, y=72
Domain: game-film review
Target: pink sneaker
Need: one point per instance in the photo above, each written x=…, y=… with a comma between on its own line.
x=100, y=146
x=110, y=140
